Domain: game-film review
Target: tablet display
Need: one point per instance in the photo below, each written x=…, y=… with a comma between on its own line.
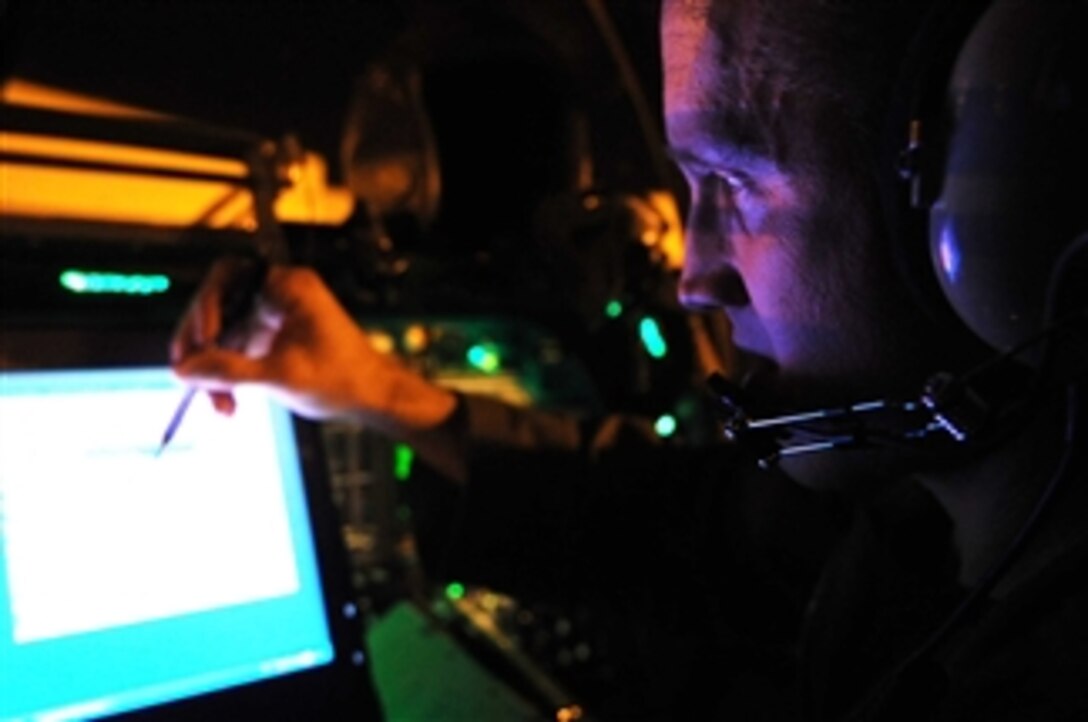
x=130, y=578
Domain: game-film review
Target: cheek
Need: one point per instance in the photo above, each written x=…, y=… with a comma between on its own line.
x=810, y=294
x=786, y=280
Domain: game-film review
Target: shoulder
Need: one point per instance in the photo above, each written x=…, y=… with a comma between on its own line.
x=1026, y=657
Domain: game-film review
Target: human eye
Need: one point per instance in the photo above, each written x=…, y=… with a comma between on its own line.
x=737, y=182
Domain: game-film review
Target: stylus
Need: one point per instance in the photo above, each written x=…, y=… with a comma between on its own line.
x=175, y=420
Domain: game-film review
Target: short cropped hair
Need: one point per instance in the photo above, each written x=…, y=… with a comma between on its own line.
x=811, y=80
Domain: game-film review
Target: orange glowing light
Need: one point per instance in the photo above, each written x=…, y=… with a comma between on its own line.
x=17, y=91
x=569, y=713
x=124, y=183
x=657, y=215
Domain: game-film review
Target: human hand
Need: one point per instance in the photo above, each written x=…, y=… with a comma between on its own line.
x=307, y=351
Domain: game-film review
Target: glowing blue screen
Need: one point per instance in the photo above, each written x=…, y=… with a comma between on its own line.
x=130, y=578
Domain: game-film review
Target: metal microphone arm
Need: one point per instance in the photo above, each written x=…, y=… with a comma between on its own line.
x=945, y=405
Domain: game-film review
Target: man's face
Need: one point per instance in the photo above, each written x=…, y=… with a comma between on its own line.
x=779, y=247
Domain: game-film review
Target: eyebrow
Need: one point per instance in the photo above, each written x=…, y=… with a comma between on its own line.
x=724, y=156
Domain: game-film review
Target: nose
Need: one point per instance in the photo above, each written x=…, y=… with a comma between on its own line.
x=711, y=289
x=709, y=279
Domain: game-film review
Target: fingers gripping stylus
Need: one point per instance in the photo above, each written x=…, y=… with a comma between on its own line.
x=236, y=309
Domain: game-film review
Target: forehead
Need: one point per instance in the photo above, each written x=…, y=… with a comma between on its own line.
x=718, y=91
x=690, y=49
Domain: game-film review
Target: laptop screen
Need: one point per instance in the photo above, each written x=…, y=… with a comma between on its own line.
x=131, y=578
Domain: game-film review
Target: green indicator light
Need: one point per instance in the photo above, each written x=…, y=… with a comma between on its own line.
x=613, y=309
x=74, y=281
x=109, y=283
x=665, y=425
x=455, y=590
x=652, y=339
x=484, y=357
x=403, y=455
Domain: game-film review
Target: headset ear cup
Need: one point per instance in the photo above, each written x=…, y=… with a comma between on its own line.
x=1013, y=195
x=912, y=153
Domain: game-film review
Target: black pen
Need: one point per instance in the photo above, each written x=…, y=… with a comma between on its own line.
x=237, y=306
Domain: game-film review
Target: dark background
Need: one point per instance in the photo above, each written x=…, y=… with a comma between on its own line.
x=277, y=66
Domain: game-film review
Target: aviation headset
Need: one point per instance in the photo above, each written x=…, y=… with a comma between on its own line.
x=986, y=199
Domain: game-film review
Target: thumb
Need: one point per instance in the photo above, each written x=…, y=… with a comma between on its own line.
x=220, y=370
